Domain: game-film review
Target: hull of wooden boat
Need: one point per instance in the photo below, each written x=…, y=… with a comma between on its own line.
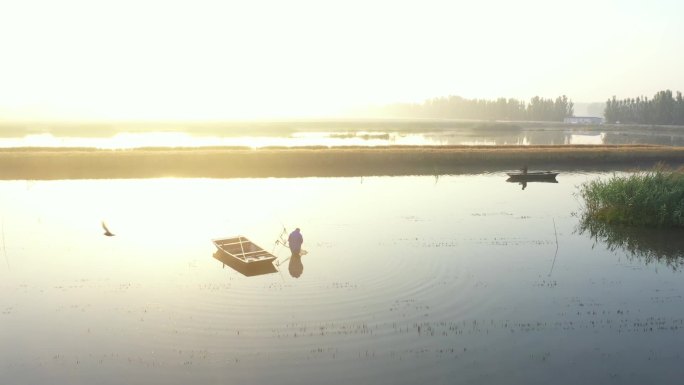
x=246, y=269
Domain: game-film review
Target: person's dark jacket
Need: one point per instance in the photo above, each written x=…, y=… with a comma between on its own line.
x=295, y=241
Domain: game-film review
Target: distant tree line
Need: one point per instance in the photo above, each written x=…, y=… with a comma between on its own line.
x=456, y=107
x=663, y=109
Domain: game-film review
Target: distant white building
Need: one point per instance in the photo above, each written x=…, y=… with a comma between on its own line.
x=583, y=120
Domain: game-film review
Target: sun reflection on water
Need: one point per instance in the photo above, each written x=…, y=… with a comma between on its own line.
x=129, y=140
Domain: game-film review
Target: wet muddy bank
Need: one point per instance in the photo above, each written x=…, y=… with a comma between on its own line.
x=45, y=164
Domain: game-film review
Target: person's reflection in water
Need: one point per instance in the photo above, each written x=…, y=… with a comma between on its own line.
x=296, y=267
x=524, y=184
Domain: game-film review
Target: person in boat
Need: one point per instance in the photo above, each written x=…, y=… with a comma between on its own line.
x=295, y=241
x=524, y=170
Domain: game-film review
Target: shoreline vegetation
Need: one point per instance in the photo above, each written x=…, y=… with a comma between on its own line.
x=663, y=109
x=457, y=107
x=653, y=198
x=236, y=162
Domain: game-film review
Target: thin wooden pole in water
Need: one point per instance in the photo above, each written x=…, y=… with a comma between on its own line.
x=286, y=259
x=556, y=254
x=4, y=251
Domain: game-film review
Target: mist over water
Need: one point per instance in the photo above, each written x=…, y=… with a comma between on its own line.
x=441, y=279
x=331, y=134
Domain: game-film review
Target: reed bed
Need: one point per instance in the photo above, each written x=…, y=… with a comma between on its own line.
x=37, y=163
x=652, y=198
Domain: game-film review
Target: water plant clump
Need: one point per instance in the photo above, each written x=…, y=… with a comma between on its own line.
x=651, y=198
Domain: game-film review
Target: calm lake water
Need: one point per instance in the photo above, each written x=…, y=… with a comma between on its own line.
x=441, y=280
x=355, y=137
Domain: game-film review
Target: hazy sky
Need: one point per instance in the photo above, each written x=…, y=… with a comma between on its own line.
x=173, y=59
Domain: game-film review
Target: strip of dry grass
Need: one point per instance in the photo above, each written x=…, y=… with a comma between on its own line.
x=34, y=163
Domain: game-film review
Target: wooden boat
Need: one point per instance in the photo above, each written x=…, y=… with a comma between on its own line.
x=532, y=176
x=246, y=269
x=243, y=250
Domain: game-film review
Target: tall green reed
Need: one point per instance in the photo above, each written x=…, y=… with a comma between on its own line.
x=649, y=198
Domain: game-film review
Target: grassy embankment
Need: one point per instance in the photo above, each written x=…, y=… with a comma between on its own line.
x=651, y=198
x=321, y=161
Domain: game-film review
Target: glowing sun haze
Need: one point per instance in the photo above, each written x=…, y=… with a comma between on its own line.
x=172, y=59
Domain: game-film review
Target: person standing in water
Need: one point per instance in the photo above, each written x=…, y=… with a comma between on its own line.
x=295, y=241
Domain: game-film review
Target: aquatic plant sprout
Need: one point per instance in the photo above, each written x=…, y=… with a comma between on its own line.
x=652, y=198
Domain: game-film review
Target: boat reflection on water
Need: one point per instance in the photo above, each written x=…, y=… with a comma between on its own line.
x=524, y=183
x=248, y=270
x=295, y=265
x=645, y=244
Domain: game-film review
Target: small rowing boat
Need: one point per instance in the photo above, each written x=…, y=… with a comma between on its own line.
x=532, y=176
x=243, y=250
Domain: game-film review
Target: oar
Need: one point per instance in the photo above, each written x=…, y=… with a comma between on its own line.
x=3, y=243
